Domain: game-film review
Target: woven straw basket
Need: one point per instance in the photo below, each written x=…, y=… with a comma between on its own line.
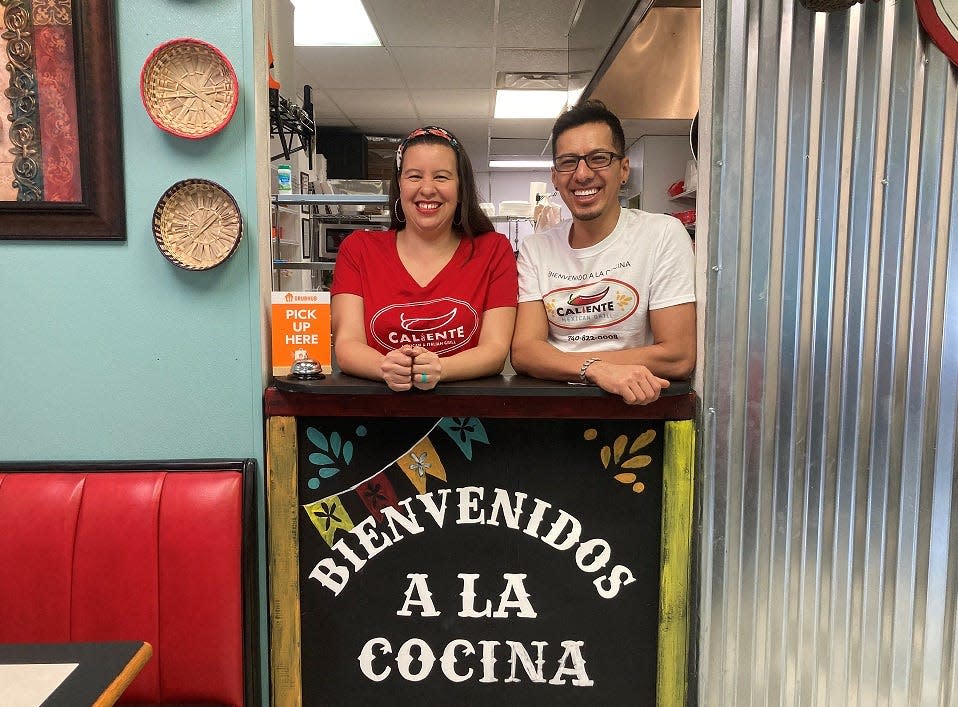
x=189, y=88
x=197, y=224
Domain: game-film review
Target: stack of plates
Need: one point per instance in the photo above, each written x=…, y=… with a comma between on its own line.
x=519, y=209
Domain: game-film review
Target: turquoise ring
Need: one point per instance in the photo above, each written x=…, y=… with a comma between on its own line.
x=423, y=377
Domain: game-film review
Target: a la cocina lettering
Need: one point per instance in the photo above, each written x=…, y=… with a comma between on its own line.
x=460, y=660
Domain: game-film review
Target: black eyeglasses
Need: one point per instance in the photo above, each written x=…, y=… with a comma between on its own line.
x=593, y=160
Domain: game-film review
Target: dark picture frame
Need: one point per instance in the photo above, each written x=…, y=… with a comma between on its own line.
x=305, y=227
x=100, y=214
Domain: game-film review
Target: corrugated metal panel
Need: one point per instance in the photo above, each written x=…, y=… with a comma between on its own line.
x=828, y=560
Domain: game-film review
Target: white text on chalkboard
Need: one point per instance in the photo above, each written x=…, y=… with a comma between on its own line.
x=564, y=533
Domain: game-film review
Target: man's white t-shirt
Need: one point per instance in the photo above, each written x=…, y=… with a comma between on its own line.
x=598, y=298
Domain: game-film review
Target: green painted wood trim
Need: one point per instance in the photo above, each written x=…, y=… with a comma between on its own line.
x=677, y=500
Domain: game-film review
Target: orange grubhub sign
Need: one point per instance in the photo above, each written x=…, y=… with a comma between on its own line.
x=300, y=330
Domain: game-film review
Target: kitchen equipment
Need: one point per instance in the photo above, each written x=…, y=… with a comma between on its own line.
x=329, y=236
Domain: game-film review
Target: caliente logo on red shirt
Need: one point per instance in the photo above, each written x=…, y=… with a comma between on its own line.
x=441, y=325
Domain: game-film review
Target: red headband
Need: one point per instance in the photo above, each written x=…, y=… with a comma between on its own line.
x=419, y=132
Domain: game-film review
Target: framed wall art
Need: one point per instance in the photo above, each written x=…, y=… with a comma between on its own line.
x=61, y=164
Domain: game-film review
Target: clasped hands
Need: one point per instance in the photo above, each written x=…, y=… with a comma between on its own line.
x=635, y=384
x=411, y=367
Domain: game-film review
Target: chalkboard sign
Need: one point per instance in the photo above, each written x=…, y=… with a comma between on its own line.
x=479, y=562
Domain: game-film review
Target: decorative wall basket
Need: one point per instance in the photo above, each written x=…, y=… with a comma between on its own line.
x=189, y=88
x=197, y=224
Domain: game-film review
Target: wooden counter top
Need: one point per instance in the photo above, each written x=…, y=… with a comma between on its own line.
x=506, y=396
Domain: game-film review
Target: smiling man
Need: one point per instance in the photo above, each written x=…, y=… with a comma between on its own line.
x=607, y=298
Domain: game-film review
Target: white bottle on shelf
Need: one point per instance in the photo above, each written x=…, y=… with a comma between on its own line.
x=284, y=179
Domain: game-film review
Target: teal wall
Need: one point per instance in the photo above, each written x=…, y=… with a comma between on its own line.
x=107, y=351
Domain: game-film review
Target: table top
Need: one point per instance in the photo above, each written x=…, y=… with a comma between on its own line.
x=103, y=670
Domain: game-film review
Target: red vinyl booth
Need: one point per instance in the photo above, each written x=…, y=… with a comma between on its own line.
x=135, y=551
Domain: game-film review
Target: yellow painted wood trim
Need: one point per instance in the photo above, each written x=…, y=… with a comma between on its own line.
x=282, y=513
x=678, y=475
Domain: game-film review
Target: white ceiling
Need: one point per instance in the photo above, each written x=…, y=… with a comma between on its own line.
x=438, y=65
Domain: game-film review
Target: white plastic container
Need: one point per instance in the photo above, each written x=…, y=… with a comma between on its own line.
x=284, y=179
x=536, y=190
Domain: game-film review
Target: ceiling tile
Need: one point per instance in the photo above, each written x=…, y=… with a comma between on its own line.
x=444, y=67
x=325, y=112
x=532, y=60
x=521, y=128
x=348, y=67
x=467, y=129
x=519, y=146
x=535, y=24
x=435, y=105
x=394, y=127
x=433, y=23
x=358, y=104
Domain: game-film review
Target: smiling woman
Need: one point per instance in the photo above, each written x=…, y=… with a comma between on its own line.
x=433, y=298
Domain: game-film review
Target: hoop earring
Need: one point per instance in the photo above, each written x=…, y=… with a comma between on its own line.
x=398, y=211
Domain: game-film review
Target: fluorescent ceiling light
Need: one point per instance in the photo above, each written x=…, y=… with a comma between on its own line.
x=332, y=23
x=521, y=164
x=529, y=104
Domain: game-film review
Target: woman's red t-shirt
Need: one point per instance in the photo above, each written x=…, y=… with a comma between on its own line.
x=445, y=316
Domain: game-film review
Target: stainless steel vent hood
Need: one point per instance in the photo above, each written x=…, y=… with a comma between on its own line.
x=655, y=73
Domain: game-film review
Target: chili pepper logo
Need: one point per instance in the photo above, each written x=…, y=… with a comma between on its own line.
x=576, y=300
x=427, y=323
x=591, y=305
